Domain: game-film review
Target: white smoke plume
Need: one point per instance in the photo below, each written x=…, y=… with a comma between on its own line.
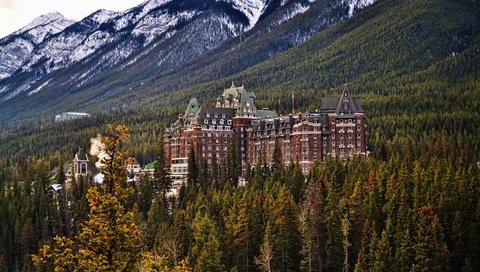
x=97, y=149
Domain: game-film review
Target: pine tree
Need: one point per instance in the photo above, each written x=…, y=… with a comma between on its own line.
x=285, y=232
x=231, y=164
x=346, y=226
x=109, y=240
x=206, y=252
x=182, y=233
x=404, y=256
x=145, y=194
x=157, y=215
x=277, y=160
x=431, y=252
x=161, y=173
x=264, y=260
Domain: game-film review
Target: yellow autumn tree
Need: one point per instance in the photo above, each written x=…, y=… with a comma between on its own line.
x=109, y=240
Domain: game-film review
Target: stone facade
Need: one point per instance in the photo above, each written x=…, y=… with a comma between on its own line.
x=337, y=130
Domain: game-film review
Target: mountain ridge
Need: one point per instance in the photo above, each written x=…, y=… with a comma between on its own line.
x=182, y=43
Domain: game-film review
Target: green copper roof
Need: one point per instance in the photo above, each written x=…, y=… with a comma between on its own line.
x=150, y=166
x=239, y=99
x=266, y=113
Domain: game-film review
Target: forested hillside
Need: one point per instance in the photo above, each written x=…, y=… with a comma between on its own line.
x=415, y=209
x=413, y=205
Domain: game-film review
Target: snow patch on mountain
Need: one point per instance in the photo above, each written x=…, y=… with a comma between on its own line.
x=102, y=16
x=45, y=25
x=36, y=90
x=153, y=26
x=153, y=4
x=355, y=5
x=16, y=49
x=90, y=45
x=292, y=11
x=253, y=9
x=132, y=16
x=25, y=86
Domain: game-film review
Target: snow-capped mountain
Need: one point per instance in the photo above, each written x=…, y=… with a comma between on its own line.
x=16, y=48
x=152, y=40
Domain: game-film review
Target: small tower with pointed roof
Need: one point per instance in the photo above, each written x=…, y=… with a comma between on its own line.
x=80, y=164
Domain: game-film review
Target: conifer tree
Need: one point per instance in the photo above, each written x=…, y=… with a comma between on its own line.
x=182, y=233
x=206, y=252
x=431, y=252
x=231, y=163
x=404, y=256
x=161, y=173
x=277, y=160
x=145, y=194
x=264, y=260
x=109, y=240
x=346, y=226
x=285, y=232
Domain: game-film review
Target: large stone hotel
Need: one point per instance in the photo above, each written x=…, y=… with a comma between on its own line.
x=338, y=129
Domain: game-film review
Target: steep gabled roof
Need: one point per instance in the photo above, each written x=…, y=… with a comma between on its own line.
x=213, y=116
x=81, y=156
x=346, y=105
x=192, y=109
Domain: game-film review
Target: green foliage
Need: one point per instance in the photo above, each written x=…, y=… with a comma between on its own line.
x=109, y=239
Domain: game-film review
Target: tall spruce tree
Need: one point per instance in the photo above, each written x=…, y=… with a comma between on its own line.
x=206, y=251
x=431, y=252
x=161, y=174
